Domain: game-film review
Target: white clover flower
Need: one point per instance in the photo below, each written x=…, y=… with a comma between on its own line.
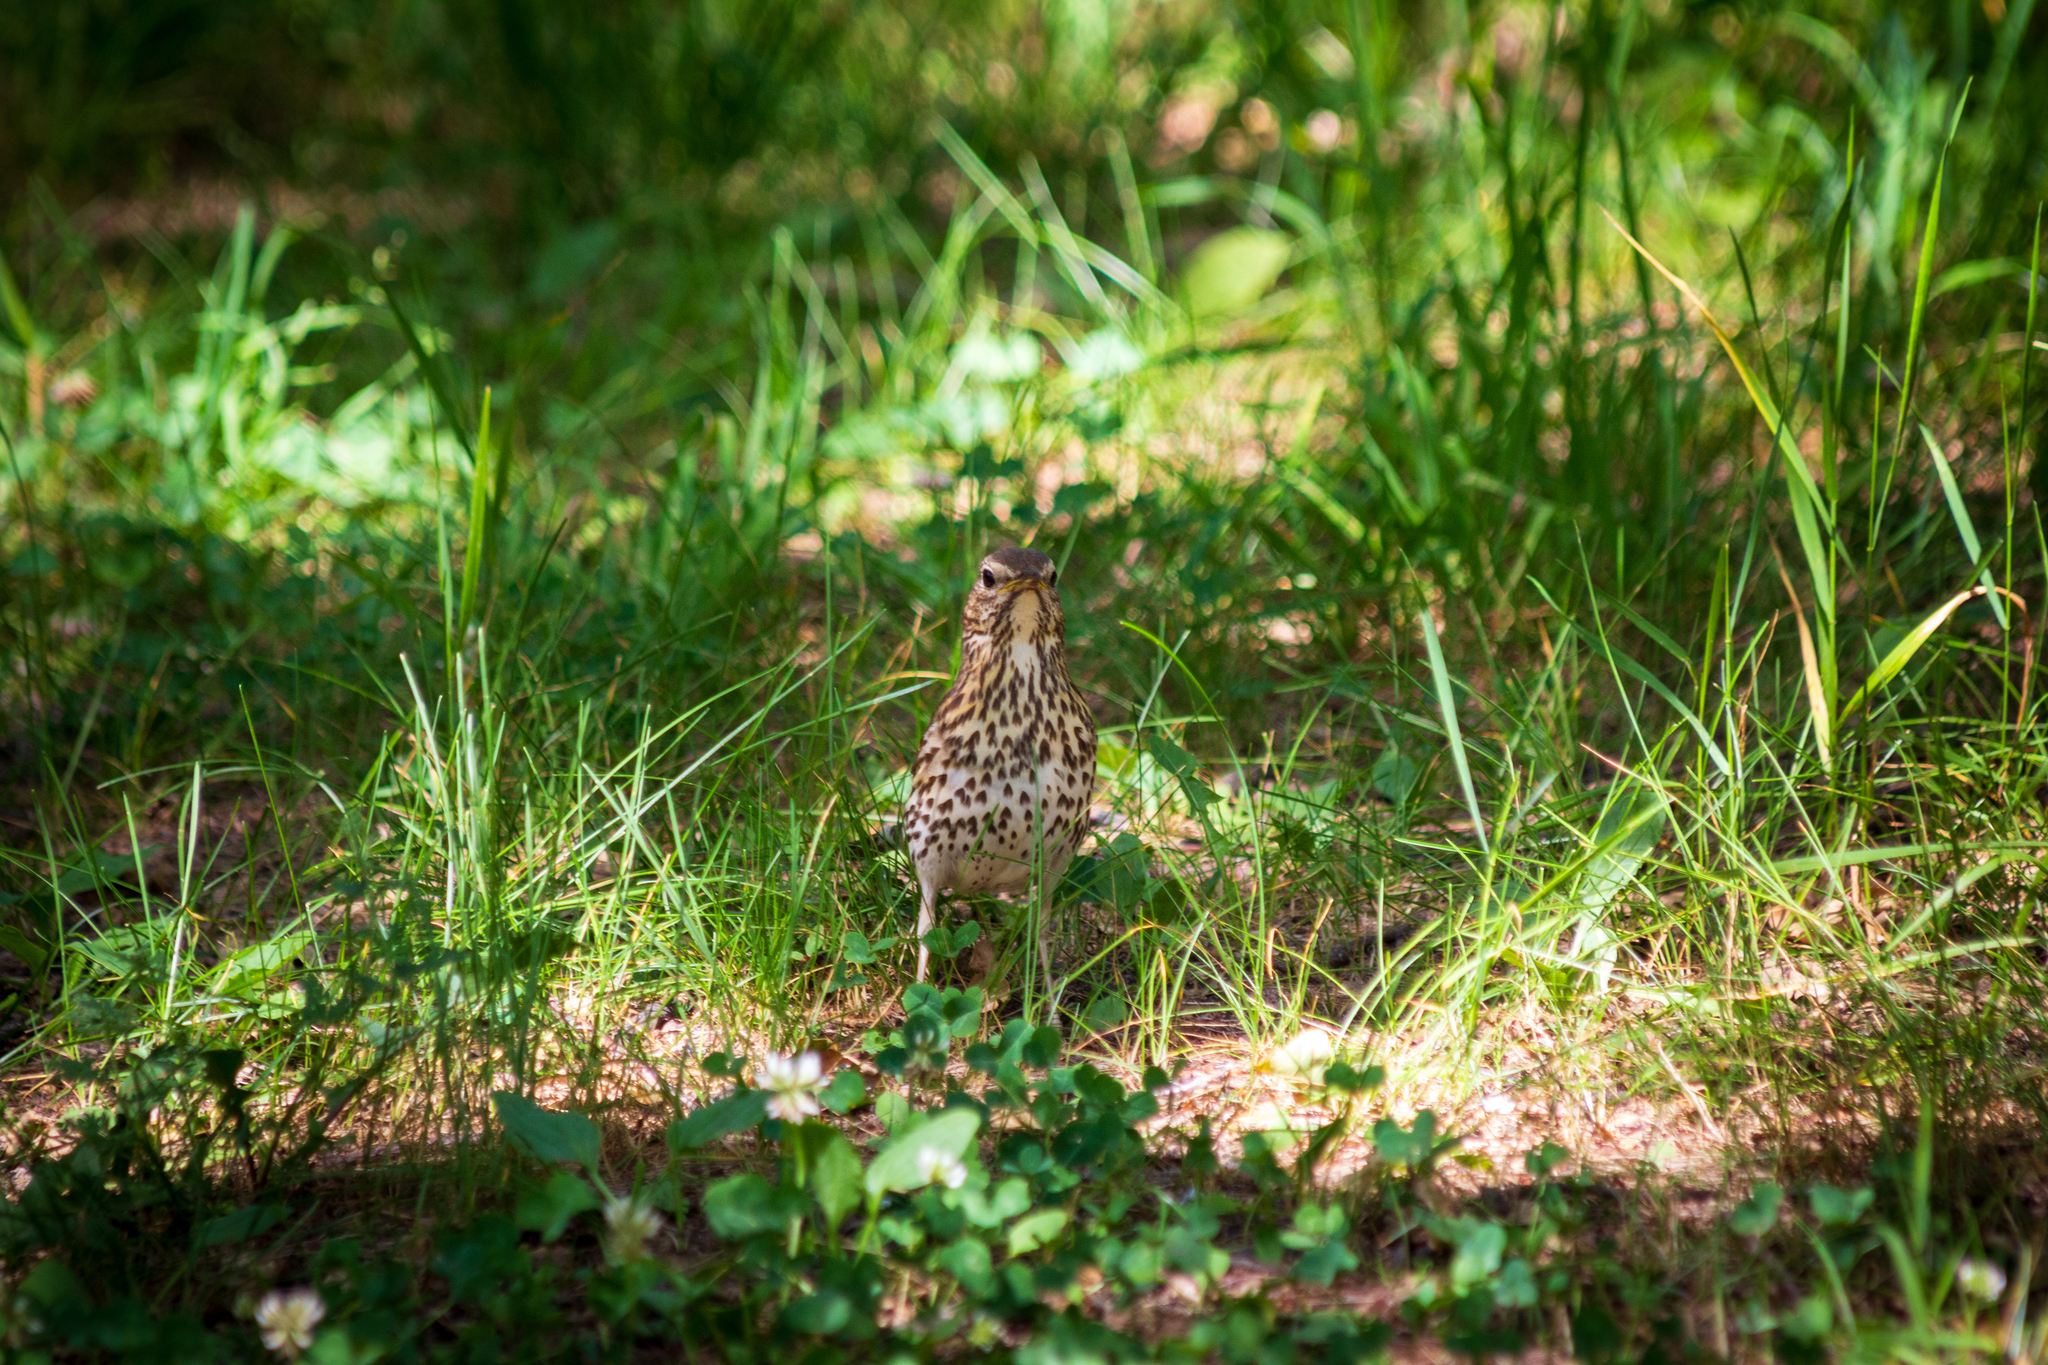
x=1981, y=1280
x=73, y=389
x=935, y=1166
x=286, y=1318
x=794, y=1082
x=629, y=1224
x=1305, y=1056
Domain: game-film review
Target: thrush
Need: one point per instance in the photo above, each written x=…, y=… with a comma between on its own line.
x=999, y=794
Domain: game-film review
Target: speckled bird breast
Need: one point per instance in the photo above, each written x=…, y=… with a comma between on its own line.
x=1011, y=739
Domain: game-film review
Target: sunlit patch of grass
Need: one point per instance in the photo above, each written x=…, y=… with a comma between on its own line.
x=1503, y=662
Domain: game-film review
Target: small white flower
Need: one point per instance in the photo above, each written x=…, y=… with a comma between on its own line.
x=1324, y=130
x=935, y=1166
x=628, y=1226
x=287, y=1317
x=794, y=1082
x=1305, y=1056
x=73, y=389
x=1981, y=1280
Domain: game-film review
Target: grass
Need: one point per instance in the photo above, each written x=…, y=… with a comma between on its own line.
x=1507, y=661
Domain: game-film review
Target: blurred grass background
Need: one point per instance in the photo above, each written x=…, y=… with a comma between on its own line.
x=488, y=478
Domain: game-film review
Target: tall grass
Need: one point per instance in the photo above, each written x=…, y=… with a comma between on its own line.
x=1485, y=625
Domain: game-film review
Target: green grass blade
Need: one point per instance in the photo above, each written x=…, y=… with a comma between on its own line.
x=1810, y=513
x=1818, y=697
x=480, y=483
x=1137, y=231
x=1902, y=653
x=2039, y=473
x=1922, y=283
x=1961, y=516
x=1447, y=707
x=17, y=311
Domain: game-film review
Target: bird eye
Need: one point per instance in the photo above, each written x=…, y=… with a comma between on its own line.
x=988, y=578
x=1052, y=578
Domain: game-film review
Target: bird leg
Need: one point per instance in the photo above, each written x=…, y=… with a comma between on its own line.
x=928, y=903
x=1041, y=900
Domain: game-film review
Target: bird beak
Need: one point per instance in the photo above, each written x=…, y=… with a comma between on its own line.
x=1019, y=584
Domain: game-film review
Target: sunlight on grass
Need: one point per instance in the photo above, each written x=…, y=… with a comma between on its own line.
x=1566, y=679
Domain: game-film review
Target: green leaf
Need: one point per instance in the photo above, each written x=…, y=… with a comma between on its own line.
x=744, y=1206
x=967, y=1261
x=1341, y=1075
x=1629, y=828
x=33, y=562
x=1035, y=1230
x=545, y=1134
x=898, y=1167
x=125, y=951
x=835, y=1173
x=1410, y=1147
x=893, y=1110
x=1541, y=1161
x=33, y=955
x=1120, y=876
x=1515, y=1286
x=988, y=1209
x=335, y=1347
x=223, y=1066
x=1106, y=1012
x=1596, y=1336
x=819, y=1314
x=252, y=1220
x=1319, y=1221
x=1325, y=1262
x=1480, y=1245
x=1041, y=1047
x=957, y=1009
x=1171, y=756
x=981, y=462
x=1077, y=498
x=1186, y=769
x=52, y=1287
x=258, y=960
x=1754, y=1216
x=927, y=1037
x=1394, y=775
x=547, y=1209
x=1810, y=1320
x=734, y=1114
x=844, y=1092
x=1232, y=270
x=1838, y=1208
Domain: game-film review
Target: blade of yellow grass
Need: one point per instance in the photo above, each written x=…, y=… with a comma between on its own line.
x=1902, y=653
x=1816, y=692
x=1810, y=512
x=1966, y=530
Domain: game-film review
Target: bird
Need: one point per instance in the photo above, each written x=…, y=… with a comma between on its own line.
x=1000, y=788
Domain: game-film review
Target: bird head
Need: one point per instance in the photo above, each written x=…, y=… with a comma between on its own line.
x=1013, y=599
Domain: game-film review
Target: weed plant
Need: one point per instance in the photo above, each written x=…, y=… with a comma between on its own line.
x=1542, y=647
